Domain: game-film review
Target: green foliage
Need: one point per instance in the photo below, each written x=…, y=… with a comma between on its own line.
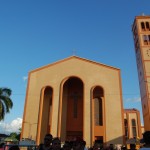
x=5, y=102
x=15, y=135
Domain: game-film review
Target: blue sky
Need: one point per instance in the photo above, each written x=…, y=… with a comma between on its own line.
x=34, y=33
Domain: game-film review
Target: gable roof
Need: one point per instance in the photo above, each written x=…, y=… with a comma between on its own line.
x=73, y=57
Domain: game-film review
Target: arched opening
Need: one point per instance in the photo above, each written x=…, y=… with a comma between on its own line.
x=134, y=132
x=72, y=109
x=147, y=26
x=142, y=26
x=126, y=129
x=98, y=114
x=45, y=112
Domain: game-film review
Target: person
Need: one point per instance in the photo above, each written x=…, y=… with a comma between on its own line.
x=146, y=138
x=67, y=145
x=15, y=147
x=56, y=144
x=2, y=146
x=78, y=144
x=132, y=146
x=118, y=146
x=96, y=146
x=84, y=144
x=47, y=143
x=111, y=147
x=123, y=147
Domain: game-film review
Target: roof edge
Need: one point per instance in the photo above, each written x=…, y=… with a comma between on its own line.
x=68, y=58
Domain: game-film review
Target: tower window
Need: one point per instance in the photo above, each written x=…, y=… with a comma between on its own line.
x=143, y=26
x=149, y=38
x=147, y=26
x=145, y=39
x=134, y=128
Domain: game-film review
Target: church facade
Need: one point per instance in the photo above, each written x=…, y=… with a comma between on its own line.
x=74, y=97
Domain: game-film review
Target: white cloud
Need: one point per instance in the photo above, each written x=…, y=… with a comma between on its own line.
x=8, y=128
x=135, y=99
x=24, y=78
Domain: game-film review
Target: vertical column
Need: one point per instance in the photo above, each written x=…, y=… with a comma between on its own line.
x=87, y=123
x=55, y=112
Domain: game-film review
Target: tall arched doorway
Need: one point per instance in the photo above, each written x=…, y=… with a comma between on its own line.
x=45, y=114
x=72, y=109
x=98, y=124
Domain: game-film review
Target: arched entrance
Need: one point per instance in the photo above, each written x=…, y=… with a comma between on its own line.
x=98, y=124
x=72, y=109
x=45, y=114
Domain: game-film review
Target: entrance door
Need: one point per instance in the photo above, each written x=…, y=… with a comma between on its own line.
x=74, y=116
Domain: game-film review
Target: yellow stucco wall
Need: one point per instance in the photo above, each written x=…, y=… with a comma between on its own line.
x=91, y=73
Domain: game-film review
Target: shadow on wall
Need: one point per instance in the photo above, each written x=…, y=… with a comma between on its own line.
x=118, y=140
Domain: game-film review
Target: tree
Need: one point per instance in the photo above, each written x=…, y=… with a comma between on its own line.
x=5, y=102
x=16, y=134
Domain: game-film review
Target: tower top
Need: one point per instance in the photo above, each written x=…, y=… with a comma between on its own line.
x=142, y=16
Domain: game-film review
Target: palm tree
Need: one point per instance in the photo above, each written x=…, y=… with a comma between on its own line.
x=5, y=102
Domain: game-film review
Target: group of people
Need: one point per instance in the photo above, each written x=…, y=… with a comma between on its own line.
x=78, y=143
x=51, y=143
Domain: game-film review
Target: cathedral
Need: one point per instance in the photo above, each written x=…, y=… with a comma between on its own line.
x=80, y=97
x=74, y=97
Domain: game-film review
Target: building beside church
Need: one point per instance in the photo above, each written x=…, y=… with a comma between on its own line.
x=141, y=35
x=74, y=97
x=132, y=124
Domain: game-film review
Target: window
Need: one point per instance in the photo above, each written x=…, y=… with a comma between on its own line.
x=98, y=112
x=145, y=39
x=147, y=26
x=75, y=97
x=134, y=127
x=149, y=38
x=143, y=26
x=125, y=122
x=98, y=95
x=126, y=128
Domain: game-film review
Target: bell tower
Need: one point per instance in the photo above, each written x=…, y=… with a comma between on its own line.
x=141, y=36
